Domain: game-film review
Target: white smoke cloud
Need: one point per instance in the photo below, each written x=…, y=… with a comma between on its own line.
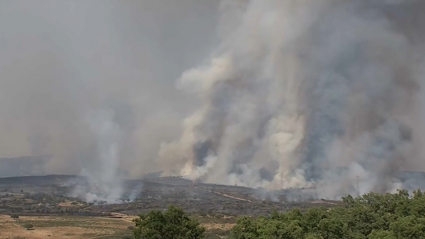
x=65, y=64
x=302, y=90
x=60, y=61
x=104, y=175
x=298, y=93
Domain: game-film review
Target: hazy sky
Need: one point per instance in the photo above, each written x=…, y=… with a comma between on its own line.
x=61, y=60
x=270, y=93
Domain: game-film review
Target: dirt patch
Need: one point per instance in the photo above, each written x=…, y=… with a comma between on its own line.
x=225, y=195
x=79, y=227
x=69, y=204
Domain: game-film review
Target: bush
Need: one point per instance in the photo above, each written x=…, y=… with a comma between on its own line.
x=28, y=226
x=172, y=224
x=372, y=216
x=14, y=216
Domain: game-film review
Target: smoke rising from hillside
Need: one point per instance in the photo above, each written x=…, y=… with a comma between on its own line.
x=91, y=83
x=297, y=93
x=303, y=93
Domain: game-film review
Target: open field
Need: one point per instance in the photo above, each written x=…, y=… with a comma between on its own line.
x=52, y=195
x=63, y=227
x=47, y=203
x=76, y=227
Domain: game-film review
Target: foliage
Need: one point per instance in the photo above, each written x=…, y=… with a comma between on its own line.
x=371, y=216
x=28, y=226
x=14, y=216
x=172, y=224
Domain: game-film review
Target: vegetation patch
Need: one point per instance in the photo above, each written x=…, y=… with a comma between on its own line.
x=372, y=216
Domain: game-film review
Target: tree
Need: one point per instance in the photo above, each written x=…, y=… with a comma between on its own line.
x=313, y=236
x=245, y=229
x=173, y=224
x=371, y=216
x=332, y=228
x=381, y=234
x=409, y=227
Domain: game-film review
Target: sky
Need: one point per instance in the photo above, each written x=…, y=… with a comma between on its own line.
x=62, y=60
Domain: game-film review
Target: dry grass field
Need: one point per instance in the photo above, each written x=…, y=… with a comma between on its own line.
x=64, y=227
x=45, y=202
x=76, y=227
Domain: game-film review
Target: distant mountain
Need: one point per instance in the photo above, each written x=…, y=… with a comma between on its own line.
x=23, y=166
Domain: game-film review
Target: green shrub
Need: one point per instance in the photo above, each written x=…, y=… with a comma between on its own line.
x=371, y=216
x=28, y=226
x=172, y=224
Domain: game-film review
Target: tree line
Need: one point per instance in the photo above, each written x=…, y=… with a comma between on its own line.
x=371, y=216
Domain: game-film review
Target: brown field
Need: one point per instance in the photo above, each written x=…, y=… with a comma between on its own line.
x=76, y=227
x=64, y=227
x=47, y=203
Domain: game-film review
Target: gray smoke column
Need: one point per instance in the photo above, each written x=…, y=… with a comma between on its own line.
x=111, y=125
x=90, y=84
x=307, y=93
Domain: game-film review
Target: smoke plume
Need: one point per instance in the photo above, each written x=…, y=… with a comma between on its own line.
x=90, y=84
x=307, y=94
x=276, y=94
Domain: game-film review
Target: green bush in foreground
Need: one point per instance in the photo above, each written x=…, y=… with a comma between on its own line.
x=372, y=216
x=172, y=224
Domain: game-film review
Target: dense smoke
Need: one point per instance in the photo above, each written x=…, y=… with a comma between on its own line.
x=307, y=93
x=89, y=85
x=297, y=93
x=111, y=126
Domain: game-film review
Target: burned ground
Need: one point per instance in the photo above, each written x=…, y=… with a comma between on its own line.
x=51, y=195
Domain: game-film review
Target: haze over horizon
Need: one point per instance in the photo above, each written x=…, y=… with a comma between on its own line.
x=62, y=61
x=274, y=94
